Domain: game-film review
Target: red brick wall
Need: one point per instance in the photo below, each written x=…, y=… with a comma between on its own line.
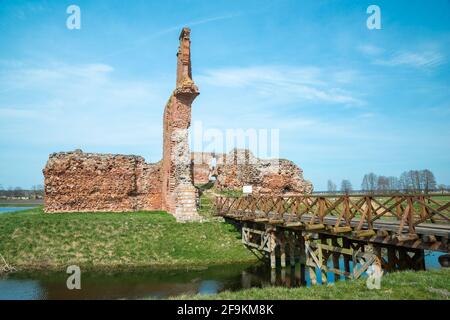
x=76, y=181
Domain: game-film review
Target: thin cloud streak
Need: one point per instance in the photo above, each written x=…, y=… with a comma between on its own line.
x=428, y=59
x=175, y=28
x=281, y=82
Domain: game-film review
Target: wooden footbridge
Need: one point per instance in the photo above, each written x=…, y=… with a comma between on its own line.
x=391, y=231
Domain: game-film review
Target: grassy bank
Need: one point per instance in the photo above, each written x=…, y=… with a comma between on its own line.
x=32, y=240
x=432, y=284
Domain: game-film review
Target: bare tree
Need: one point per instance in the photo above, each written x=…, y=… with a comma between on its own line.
x=369, y=182
x=415, y=178
x=331, y=187
x=409, y=180
x=383, y=183
x=427, y=180
x=18, y=192
x=346, y=186
x=442, y=188
x=394, y=183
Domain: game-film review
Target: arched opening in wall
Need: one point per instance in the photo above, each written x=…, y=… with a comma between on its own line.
x=212, y=168
x=213, y=163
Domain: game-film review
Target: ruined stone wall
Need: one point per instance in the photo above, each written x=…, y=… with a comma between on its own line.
x=77, y=182
x=241, y=167
x=179, y=195
x=203, y=166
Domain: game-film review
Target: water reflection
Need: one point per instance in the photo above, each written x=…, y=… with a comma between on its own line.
x=152, y=284
x=160, y=284
x=294, y=277
x=21, y=290
x=13, y=209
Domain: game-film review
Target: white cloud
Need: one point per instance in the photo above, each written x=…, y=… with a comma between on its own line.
x=286, y=82
x=85, y=104
x=369, y=49
x=366, y=115
x=175, y=28
x=428, y=59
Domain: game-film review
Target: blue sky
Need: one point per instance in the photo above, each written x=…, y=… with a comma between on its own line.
x=347, y=100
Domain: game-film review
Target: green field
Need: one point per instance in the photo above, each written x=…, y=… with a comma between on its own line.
x=432, y=284
x=32, y=240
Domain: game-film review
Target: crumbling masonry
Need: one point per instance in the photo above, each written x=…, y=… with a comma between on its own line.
x=91, y=182
x=178, y=191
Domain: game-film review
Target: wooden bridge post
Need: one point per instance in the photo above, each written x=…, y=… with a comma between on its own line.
x=273, y=256
x=292, y=249
x=392, y=258
x=419, y=259
x=283, y=276
x=402, y=258
x=324, y=260
x=378, y=251
x=310, y=263
x=346, y=245
x=282, y=244
x=300, y=241
x=273, y=276
x=336, y=255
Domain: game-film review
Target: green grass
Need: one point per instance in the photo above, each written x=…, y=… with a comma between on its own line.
x=32, y=240
x=206, y=208
x=230, y=193
x=432, y=284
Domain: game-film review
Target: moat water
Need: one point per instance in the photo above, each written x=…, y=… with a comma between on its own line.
x=156, y=284
x=13, y=209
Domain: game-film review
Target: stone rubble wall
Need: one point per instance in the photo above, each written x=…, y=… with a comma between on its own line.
x=201, y=166
x=240, y=167
x=82, y=182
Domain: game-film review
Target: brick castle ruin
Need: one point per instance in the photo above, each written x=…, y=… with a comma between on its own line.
x=89, y=182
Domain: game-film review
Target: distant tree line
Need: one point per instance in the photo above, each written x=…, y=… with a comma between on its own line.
x=409, y=181
x=35, y=192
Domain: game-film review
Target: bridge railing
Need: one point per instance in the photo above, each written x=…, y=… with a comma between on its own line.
x=345, y=212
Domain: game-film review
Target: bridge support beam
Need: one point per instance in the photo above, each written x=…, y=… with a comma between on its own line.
x=321, y=247
x=401, y=258
x=312, y=251
x=282, y=244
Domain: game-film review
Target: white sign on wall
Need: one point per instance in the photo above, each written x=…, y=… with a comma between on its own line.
x=247, y=189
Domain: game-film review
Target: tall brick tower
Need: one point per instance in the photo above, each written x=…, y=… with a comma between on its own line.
x=178, y=191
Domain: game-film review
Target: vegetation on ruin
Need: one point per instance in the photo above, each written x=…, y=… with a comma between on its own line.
x=432, y=284
x=32, y=240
